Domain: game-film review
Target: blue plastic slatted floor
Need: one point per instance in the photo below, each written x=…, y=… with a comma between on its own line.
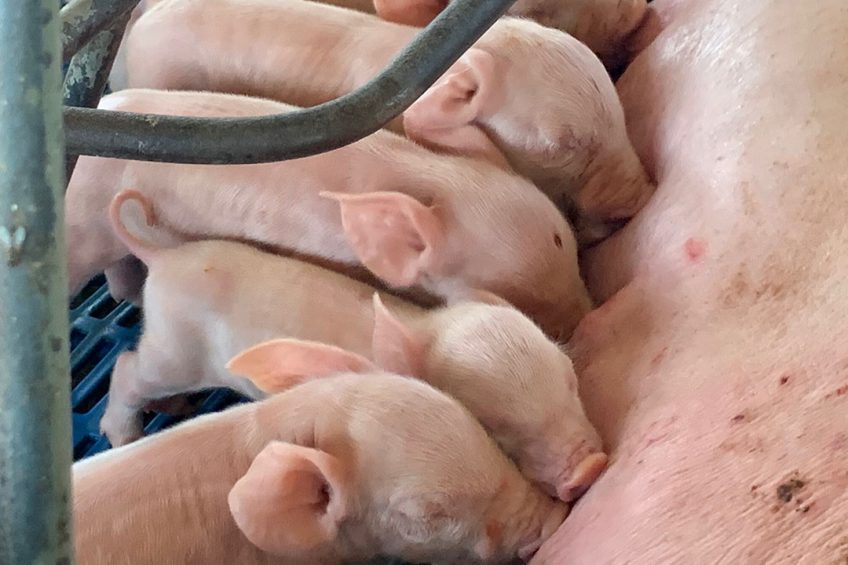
x=100, y=330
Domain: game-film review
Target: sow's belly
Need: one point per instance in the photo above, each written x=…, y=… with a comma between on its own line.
x=717, y=370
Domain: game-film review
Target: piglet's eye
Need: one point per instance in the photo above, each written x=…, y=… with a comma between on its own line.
x=557, y=240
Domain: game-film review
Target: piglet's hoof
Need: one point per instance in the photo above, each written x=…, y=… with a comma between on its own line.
x=120, y=434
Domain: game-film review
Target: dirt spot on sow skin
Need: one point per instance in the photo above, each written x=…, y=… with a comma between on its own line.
x=734, y=292
x=775, y=282
x=841, y=391
x=786, y=491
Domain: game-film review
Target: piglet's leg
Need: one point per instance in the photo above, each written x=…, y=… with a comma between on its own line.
x=126, y=278
x=139, y=379
x=121, y=422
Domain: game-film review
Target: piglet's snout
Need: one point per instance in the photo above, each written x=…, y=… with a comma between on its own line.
x=585, y=473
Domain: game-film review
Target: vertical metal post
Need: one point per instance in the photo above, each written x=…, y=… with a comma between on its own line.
x=35, y=423
x=89, y=71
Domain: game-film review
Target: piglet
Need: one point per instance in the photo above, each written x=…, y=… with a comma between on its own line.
x=414, y=219
x=351, y=463
x=603, y=25
x=526, y=97
x=119, y=79
x=205, y=301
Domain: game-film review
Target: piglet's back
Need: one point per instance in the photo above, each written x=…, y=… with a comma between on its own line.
x=163, y=499
x=261, y=297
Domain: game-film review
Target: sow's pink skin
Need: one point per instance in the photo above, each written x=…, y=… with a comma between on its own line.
x=717, y=370
x=215, y=298
x=349, y=464
x=447, y=224
x=525, y=97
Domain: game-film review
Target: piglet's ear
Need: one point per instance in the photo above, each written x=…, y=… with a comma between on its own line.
x=395, y=236
x=458, y=98
x=445, y=117
x=396, y=347
x=409, y=12
x=280, y=364
x=290, y=500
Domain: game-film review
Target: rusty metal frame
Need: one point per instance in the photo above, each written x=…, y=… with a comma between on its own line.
x=296, y=134
x=89, y=69
x=83, y=19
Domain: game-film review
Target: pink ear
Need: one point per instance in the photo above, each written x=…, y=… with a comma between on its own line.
x=290, y=500
x=446, y=116
x=459, y=97
x=396, y=347
x=409, y=12
x=280, y=364
x=394, y=235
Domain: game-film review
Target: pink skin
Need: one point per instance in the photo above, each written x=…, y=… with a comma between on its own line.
x=216, y=298
x=119, y=79
x=335, y=470
x=526, y=97
x=603, y=25
x=716, y=371
x=366, y=6
x=414, y=219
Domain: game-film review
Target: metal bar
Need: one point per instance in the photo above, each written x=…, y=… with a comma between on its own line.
x=83, y=19
x=146, y=137
x=88, y=73
x=35, y=421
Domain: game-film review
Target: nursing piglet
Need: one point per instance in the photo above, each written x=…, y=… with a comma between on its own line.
x=350, y=464
x=205, y=301
x=446, y=224
x=531, y=94
x=603, y=25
